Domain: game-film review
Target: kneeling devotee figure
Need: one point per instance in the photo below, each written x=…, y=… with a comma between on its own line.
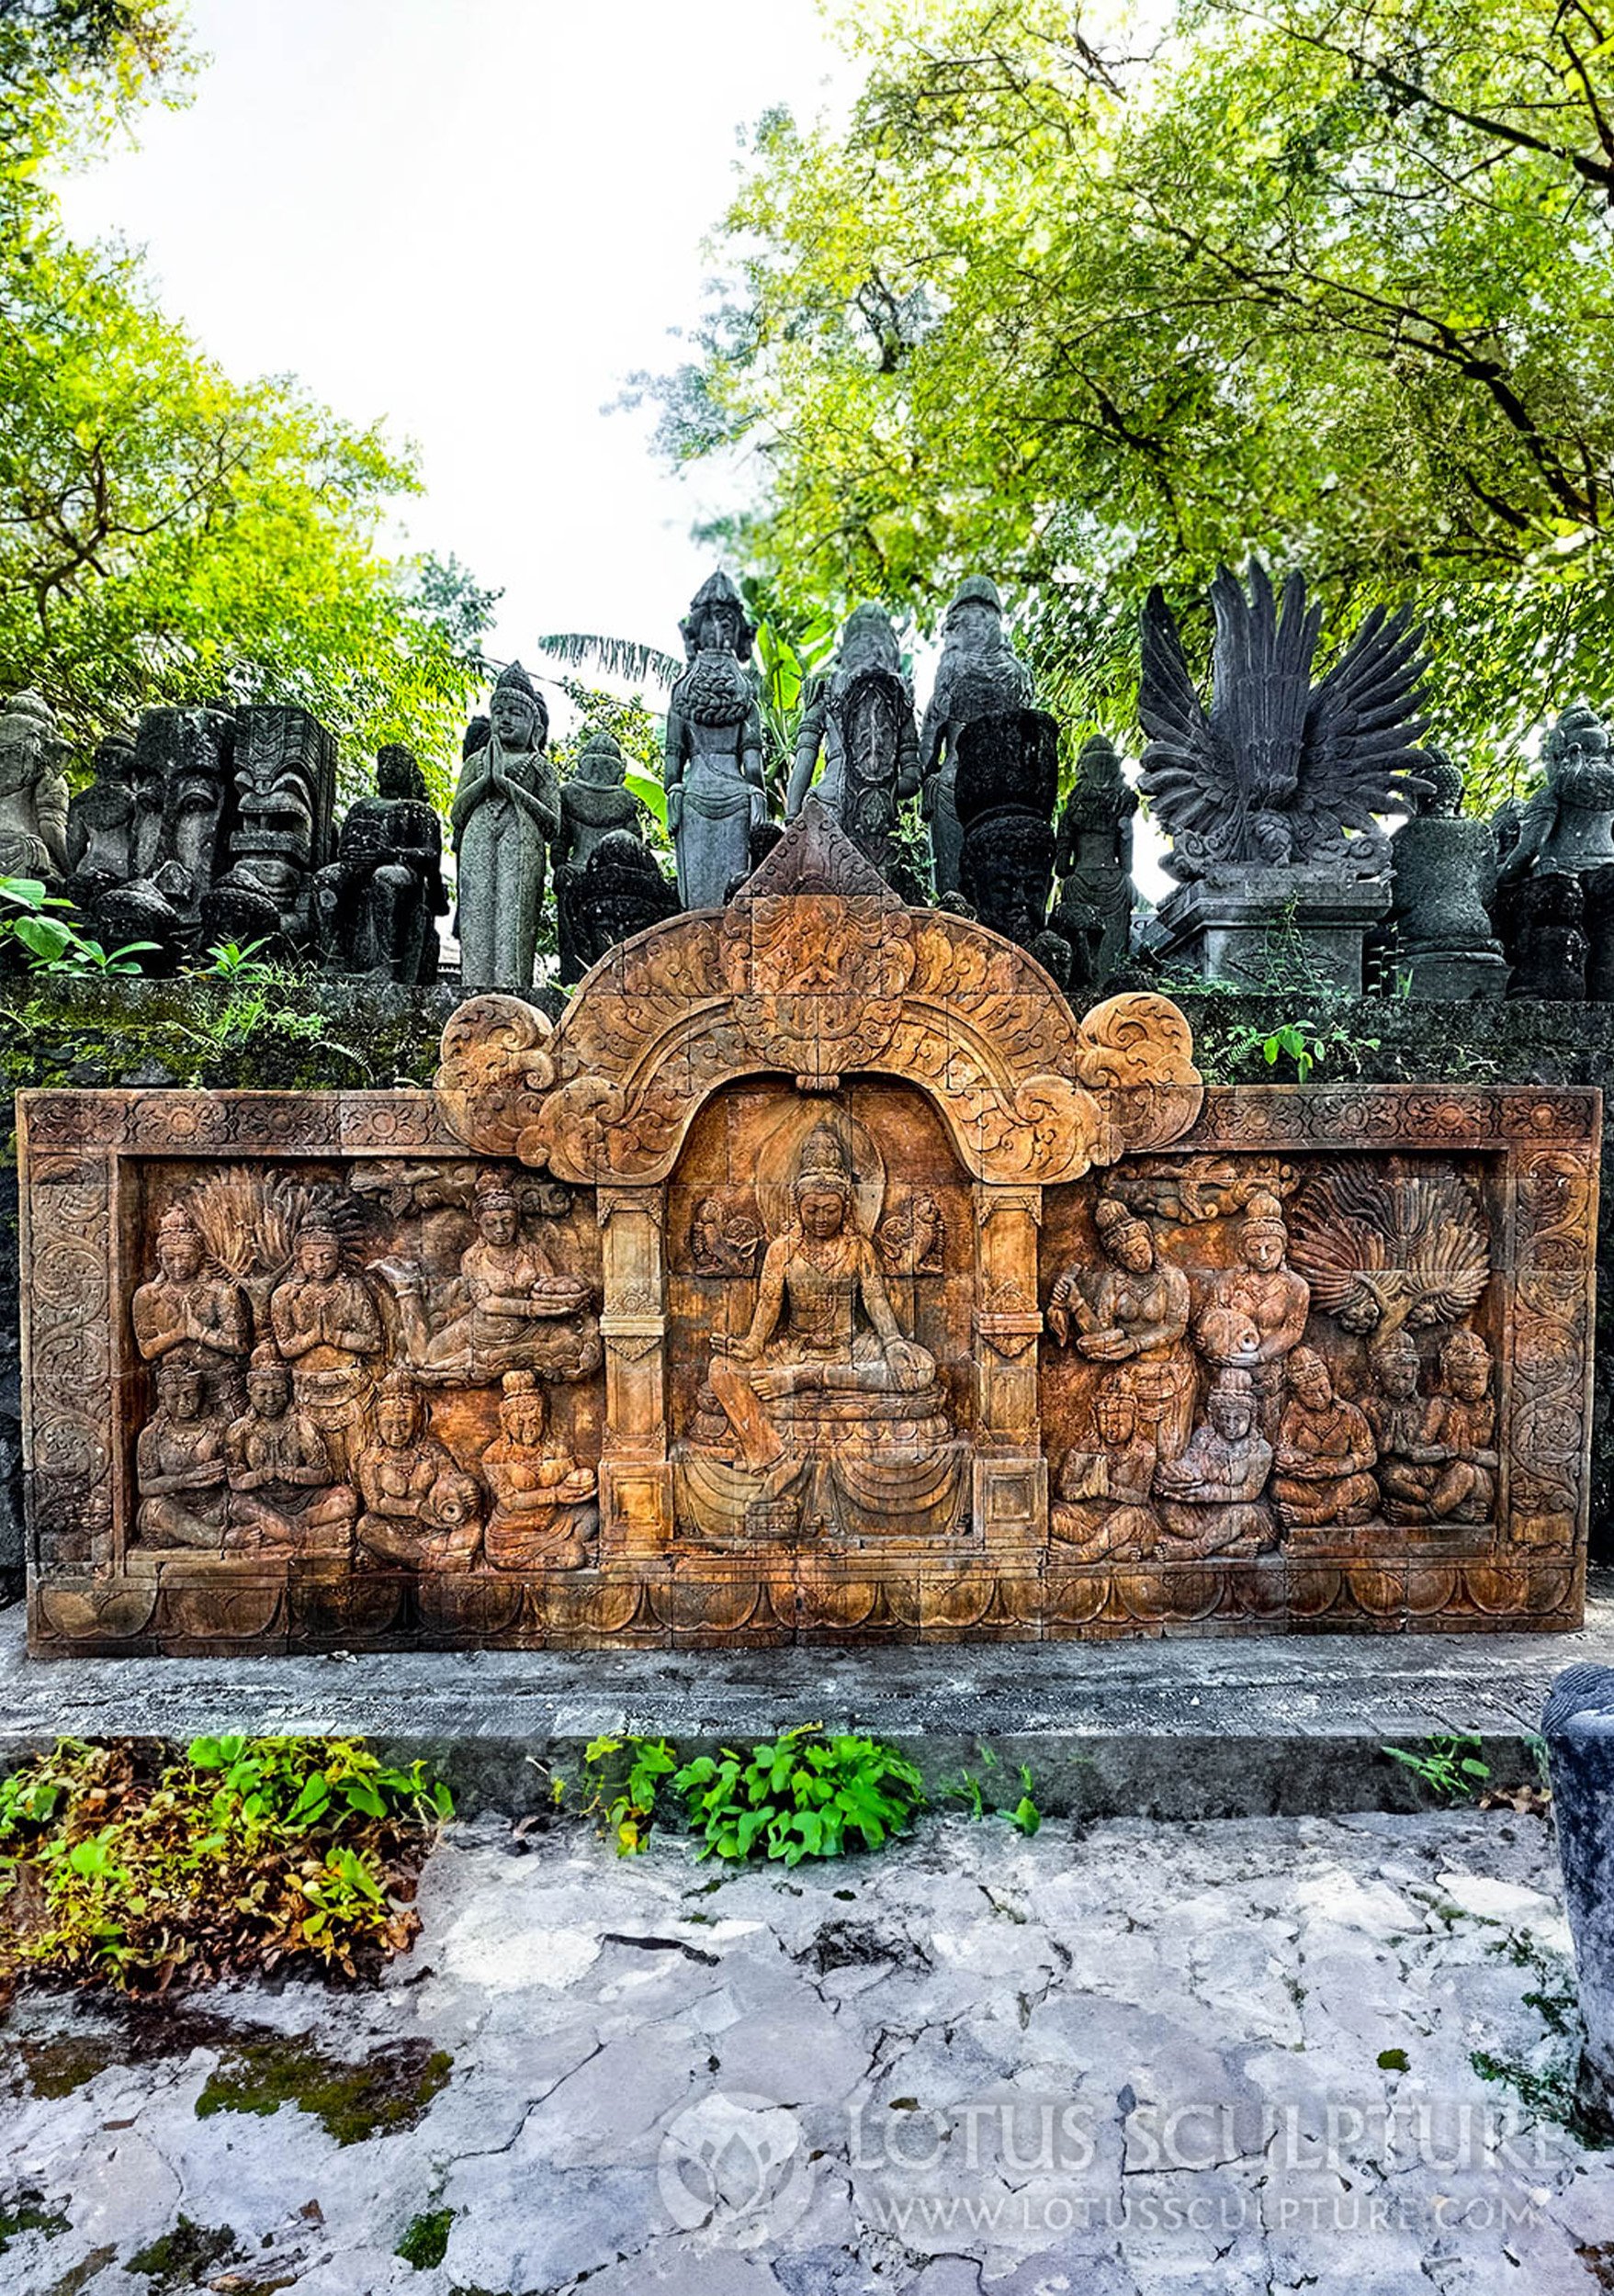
x=1210, y=1497
x=1463, y=1426
x=420, y=1510
x=546, y=1506
x=1102, y=1513
x=179, y=1464
x=1324, y=1449
x=806, y=1339
x=1405, y=1425
x=283, y=1496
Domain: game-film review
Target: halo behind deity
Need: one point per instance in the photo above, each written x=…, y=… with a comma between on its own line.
x=779, y=1160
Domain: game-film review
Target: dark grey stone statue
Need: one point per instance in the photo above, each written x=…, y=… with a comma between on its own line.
x=1005, y=790
x=506, y=815
x=979, y=675
x=1279, y=772
x=1578, y=1726
x=102, y=823
x=33, y=791
x=859, y=719
x=1567, y=827
x=1092, y=859
x=620, y=891
x=594, y=802
x=383, y=895
x=714, y=752
x=1445, y=879
x=1272, y=796
x=284, y=773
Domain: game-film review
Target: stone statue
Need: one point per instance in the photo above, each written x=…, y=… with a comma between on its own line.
x=422, y=1512
x=1567, y=827
x=1405, y=1426
x=1135, y=1314
x=824, y=1325
x=328, y=1329
x=859, y=719
x=1445, y=881
x=1279, y=771
x=284, y=770
x=383, y=893
x=1210, y=1498
x=620, y=891
x=1272, y=796
x=546, y=1510
x=185, y=1315
x=979, y=675
x=103, y=823
x=713, y=758
x=33, y=792
x=518, y=1314
x=1561, y=948
x=184, y=775
x=1464, y=1429
x=1324, y=1451
x=284, y=1498
x=1546, y=938
x=1092, y=861
x=594, y=803
x=1006, y=784
x=179, y=1465
x=506, y=815
x=1102, y=1511
x=1264, y=1289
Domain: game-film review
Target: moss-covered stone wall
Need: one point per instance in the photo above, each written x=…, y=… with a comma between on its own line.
x=327, y=1035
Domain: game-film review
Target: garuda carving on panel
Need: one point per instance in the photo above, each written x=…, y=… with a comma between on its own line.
x=1279, y=772
x=1387, y=1247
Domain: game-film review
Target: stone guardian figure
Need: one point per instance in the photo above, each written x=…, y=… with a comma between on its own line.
x=595, y=804
x=384, y=891
x=861, y=721
x=506, y=814
x=33, y=792
x=714, y=756
x=979, y=675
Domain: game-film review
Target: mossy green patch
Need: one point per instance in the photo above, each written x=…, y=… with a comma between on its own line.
x=426, y=2240
x=183, y=2258
x=374, y=2095
x=24, y=2212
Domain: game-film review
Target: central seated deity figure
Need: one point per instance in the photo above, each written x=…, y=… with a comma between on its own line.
x=825, y=1362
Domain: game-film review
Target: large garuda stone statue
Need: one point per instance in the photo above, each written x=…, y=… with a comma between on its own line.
x=1279, y=772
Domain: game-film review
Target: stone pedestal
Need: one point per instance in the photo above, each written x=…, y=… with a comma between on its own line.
x=1578, y=1726
x=1274, y=929
x=1455, y=977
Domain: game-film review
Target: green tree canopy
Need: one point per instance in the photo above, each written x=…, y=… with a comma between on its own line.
x=1325, y=279
x=168, y=535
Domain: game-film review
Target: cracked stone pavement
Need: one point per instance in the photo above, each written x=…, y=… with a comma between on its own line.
x=1231, y=2058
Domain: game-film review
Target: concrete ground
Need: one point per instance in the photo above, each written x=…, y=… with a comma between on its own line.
x=1179, y=1726
x=1237, y=2058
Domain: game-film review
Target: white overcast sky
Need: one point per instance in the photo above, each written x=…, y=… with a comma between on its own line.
x=474, y=219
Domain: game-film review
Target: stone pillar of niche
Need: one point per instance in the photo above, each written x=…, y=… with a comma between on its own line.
x=1011, y=1473
x=636, y=1478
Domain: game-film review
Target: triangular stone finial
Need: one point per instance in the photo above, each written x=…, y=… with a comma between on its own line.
x=814, y=855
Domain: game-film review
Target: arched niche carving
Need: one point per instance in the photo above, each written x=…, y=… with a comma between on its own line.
x=846, y=982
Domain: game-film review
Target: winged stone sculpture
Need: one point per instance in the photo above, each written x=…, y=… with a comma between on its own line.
x=1386, y=1250
x=1279, y=772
